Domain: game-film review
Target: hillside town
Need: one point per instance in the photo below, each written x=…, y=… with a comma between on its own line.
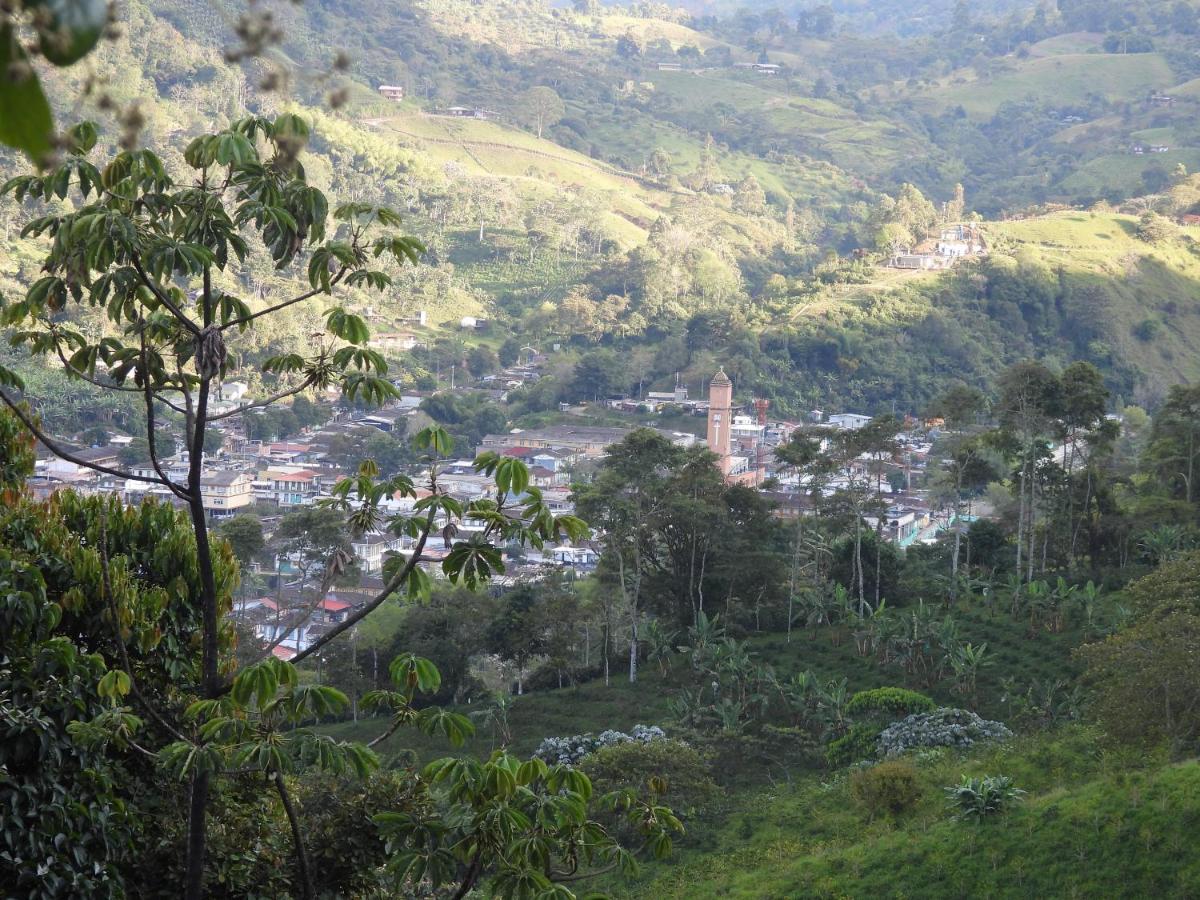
x=271, y=479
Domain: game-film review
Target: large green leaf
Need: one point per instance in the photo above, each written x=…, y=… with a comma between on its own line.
x=74, y=29
x=25, y=120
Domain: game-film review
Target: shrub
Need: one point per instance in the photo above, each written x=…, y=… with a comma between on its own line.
x=890, y=700
x=668, y=767
x=975, y=798
x=1147, y=329
x=888, y=788
x=856, y=744
x=945, y=727
x=569, y=751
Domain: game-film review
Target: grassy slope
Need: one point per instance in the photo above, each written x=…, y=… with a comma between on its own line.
x=1145, y=281
x=857, y=144
x=1060, y=80
x=1093, y=824
x=1118, y=282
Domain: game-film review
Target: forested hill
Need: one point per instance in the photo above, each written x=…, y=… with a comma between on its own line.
x=627, y=185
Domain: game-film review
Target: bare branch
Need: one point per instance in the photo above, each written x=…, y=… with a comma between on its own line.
x=152, y=438
x=307, y=295
x=257, y=404
x=58, y=451
x=163, y=298
x=299, y=618
x=388, y=589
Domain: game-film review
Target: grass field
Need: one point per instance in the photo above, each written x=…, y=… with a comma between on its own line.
x=1093, y=824
x=810, y=124
x=1065, y=44
x=1059, y=80
x=1120, y=174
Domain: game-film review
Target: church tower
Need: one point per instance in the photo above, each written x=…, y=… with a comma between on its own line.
x=720, y=418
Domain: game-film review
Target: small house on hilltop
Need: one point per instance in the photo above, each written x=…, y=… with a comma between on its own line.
x=393, y=92
x=914, y=261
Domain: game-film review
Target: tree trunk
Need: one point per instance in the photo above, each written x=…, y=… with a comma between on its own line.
x=306, y=885
x=633, y=651
x=858, y=560
x=1021, y=517
x=1032, y=530
x=210, y=685
x=197, y=807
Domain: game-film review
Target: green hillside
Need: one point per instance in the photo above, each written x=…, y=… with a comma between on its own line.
x=1061, y=79
x=1091, y=825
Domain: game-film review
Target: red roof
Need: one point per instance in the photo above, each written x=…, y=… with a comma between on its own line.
x=297, y=476
x=332, y=604
x=281, y=652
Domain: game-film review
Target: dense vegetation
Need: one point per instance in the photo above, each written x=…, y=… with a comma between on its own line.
x=736, y=701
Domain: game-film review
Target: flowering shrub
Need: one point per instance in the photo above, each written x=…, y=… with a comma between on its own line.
x=945, y=727
x=569, y=751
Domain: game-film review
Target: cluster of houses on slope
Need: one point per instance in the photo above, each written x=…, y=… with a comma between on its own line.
x=273, y=477
x=954, y=243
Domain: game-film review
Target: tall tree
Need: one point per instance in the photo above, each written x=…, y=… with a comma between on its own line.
x=1030, y=398
x=541, y=107
x=1173, y=452
x=623, y=500
x=153, y=254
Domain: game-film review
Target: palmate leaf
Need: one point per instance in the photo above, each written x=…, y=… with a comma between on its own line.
x=25, y=119
x=456, y=728
x=410, y=672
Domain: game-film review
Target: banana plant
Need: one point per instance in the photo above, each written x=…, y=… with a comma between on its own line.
x=660, y=644
x=966, y=660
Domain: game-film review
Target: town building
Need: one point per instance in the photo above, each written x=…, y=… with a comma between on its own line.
x=584, y=440
x=226, y=492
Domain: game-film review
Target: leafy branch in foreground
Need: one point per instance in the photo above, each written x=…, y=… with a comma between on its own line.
x=524, y=825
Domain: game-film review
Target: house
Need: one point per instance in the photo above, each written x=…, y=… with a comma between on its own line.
x=954, y=248
x=100, y=456
x=372, y=550
x=1158, y=148
x=290, y=486
x=334, y=609
x=232, y=390
x=849, y=421
x=465, y=112
x=255, y=604
x=393, y=92
x=670, y=67
x=384, y=419
x=584, y=440
x=224, y=493
x=293, y=632
x=393, y=340
x=581, y=559
x=914, y=261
